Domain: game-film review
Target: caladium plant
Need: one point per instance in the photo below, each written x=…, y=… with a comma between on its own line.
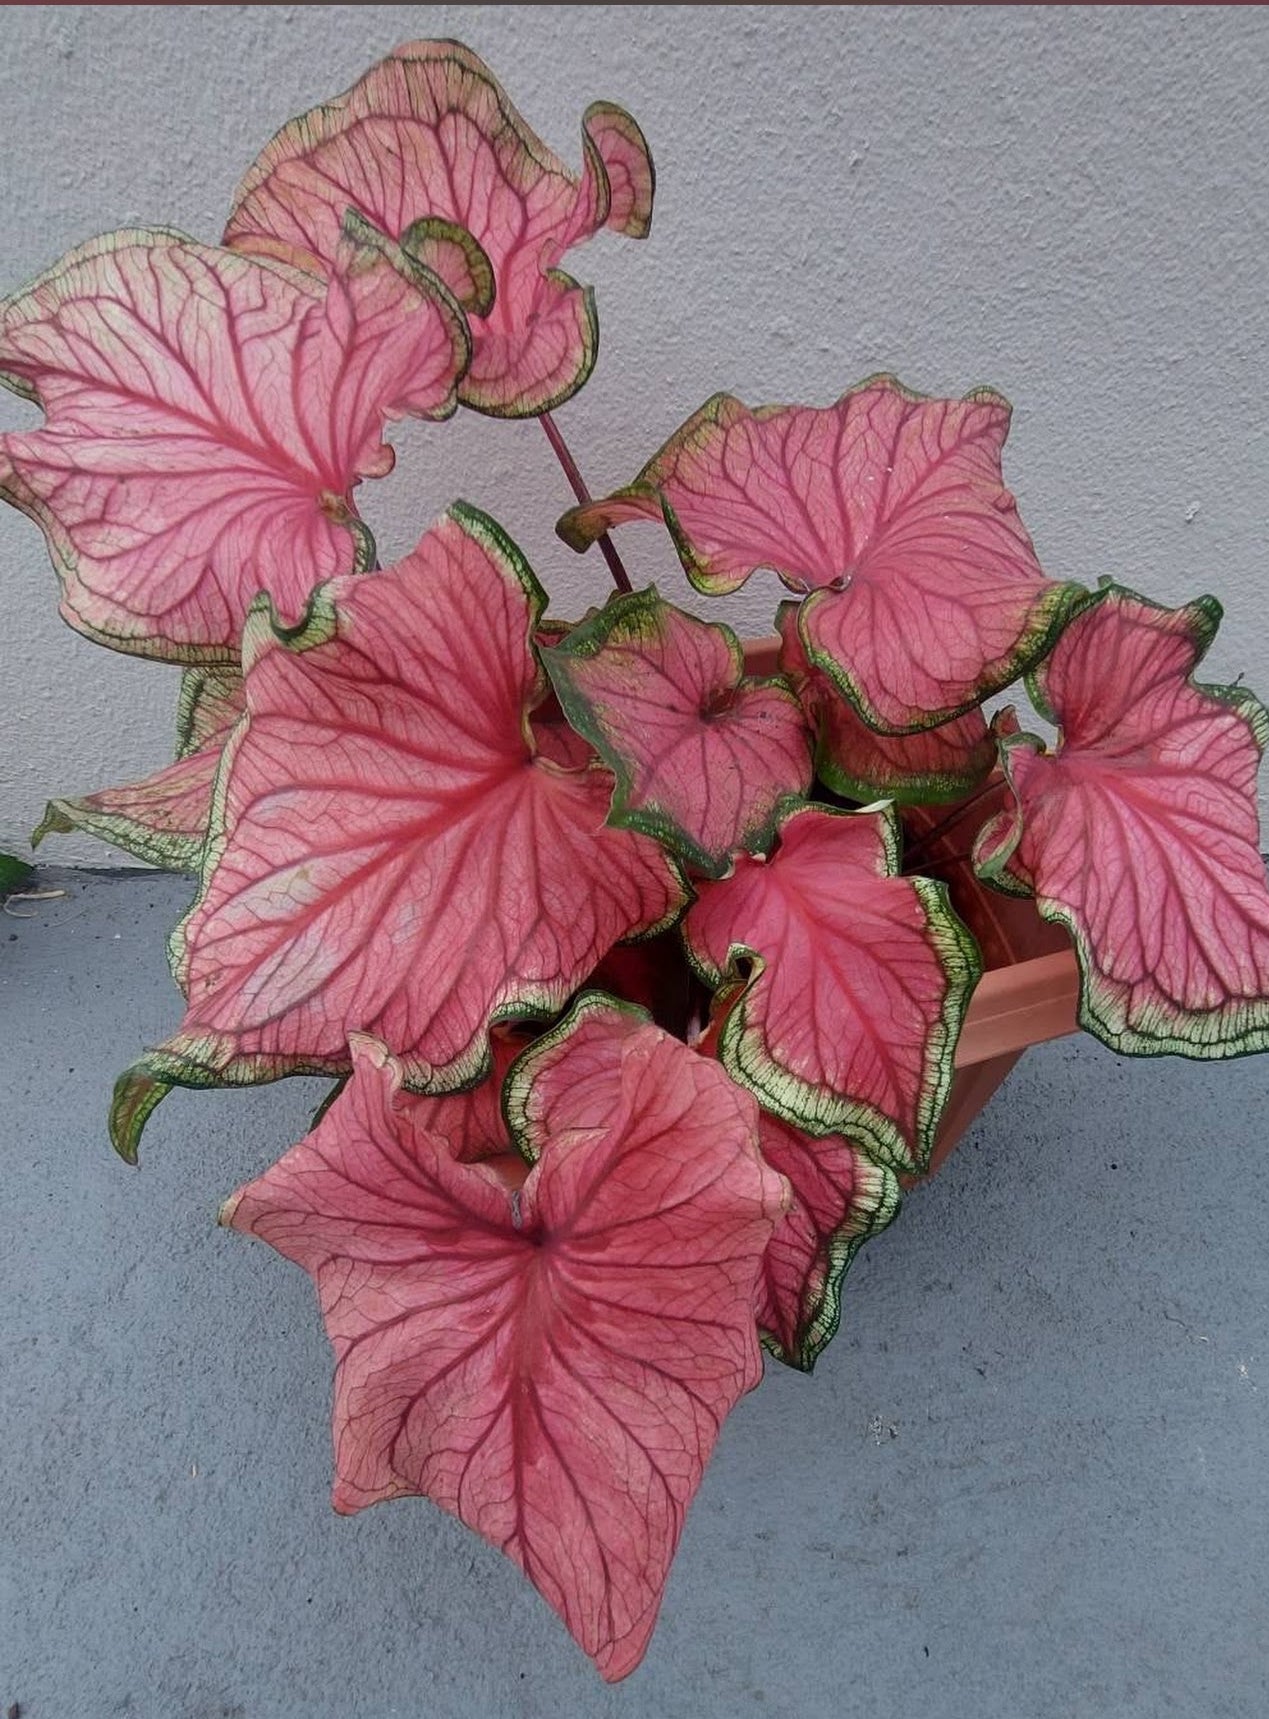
x=638, y=959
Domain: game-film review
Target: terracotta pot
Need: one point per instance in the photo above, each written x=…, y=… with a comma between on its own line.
x=1030, y=986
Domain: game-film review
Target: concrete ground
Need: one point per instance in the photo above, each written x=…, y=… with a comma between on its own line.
x=1029, y=1481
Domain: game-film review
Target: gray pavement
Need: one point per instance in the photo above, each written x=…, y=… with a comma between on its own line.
x=1029, y=1480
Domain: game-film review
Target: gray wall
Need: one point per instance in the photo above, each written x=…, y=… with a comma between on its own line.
x=1069, y=203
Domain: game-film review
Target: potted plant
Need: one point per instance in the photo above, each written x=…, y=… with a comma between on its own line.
x=642, y=963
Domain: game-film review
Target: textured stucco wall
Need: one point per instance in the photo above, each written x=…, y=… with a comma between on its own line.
x=1069, y=203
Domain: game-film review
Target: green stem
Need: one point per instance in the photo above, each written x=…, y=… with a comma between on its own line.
x=608, y=549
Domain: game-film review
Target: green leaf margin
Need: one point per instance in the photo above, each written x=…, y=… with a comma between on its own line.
x=518, y=1083
x=820, y=1315
x=1099, y=1011
x=168, y=852
x=910, y=789
x=817, y=1109
x=1063, y=602
x=587, y=640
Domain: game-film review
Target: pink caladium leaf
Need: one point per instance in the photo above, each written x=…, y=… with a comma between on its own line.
x=164, y=818
x=387, y=853
x=888, y=508
x=840, y=1199
x=854, y=760
x=208, y=416
x=705, y=758
x=548, y=1356
x=851, y=982
x=474, y=1122
x=427, y=146
x=1139, y=834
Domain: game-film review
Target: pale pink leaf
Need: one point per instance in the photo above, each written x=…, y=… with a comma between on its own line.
x=890, y=509
x=163, y=819
x=852, y=983
x=208, y=416
x=389, y=854
x=548, y=1357
x=428, y=135
x=620, y=181
x=705, y=759
x=1139, y=834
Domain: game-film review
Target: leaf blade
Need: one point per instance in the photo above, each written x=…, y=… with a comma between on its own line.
x=1140, y=834
x=428, y=134
x=705, y=759
x=889, y=509
x=385, y=770
x=505, y=1345
x=844, y=986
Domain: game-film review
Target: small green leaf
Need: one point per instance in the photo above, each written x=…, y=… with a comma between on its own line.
x=15, y=874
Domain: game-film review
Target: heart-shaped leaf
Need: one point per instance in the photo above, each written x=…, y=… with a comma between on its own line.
x=387, y=852
x=840, y=1199
x=932, y=765
x=705, y=759
x=858, y=981
x=891, y=510
x=1140, y=833
x=427, y=146
x=549, y=1358
x=208, y=416
x=163, y=819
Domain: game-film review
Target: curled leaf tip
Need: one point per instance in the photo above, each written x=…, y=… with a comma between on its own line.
x=137, y=1095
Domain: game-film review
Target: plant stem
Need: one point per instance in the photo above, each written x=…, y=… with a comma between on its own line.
x=953, y=817
x=608, y=549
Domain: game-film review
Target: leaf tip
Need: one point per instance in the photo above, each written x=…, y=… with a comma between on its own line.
x=137, y=1095
x=227, y=1209
x=53, y=823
